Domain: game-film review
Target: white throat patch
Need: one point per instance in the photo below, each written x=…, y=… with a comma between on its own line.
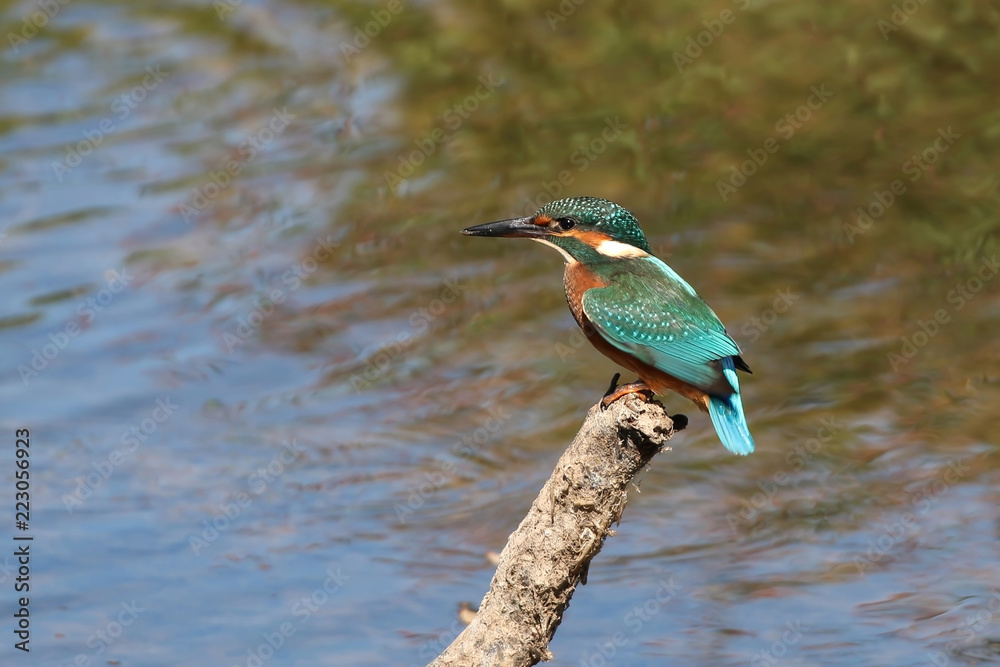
x=618, y=249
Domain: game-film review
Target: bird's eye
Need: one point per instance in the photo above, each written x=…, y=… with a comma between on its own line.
x=566, y=223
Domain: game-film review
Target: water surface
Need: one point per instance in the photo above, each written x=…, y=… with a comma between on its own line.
x=276, y=400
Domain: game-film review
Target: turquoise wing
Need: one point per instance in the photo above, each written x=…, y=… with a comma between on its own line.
x=658, y=318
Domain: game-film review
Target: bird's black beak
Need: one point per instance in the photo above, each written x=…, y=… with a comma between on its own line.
x=525, y=227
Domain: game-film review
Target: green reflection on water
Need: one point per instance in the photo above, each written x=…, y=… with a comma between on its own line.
x=868, y=185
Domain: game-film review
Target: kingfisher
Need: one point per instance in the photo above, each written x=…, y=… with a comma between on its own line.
x=637, y=311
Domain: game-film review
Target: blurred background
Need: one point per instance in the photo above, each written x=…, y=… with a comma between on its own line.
x=281, y=409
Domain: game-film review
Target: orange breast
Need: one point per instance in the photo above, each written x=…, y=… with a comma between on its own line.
x=577, y=280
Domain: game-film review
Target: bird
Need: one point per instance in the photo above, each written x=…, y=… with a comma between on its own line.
x=638, y=311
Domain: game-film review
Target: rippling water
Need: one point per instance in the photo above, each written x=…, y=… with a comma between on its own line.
x=281, y=410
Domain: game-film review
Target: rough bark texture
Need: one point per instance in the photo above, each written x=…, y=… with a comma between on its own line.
x=550, y=552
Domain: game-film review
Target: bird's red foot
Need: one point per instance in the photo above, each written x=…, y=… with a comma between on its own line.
x=614, y=393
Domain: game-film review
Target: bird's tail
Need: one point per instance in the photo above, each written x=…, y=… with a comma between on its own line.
x=727, y=415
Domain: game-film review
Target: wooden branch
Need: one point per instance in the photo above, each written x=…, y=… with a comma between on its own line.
x=565, y=528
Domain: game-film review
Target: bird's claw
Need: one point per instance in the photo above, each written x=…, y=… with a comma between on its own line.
x=613, y=385
x=615, y=392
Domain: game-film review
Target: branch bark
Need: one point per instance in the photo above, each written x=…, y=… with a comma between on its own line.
x=550, y=552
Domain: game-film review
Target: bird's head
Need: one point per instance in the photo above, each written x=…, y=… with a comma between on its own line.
x=584, y=229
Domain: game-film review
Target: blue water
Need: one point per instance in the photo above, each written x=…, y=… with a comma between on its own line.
x=280, y=413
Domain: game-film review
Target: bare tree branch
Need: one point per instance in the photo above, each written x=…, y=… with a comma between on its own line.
x=550, y=552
